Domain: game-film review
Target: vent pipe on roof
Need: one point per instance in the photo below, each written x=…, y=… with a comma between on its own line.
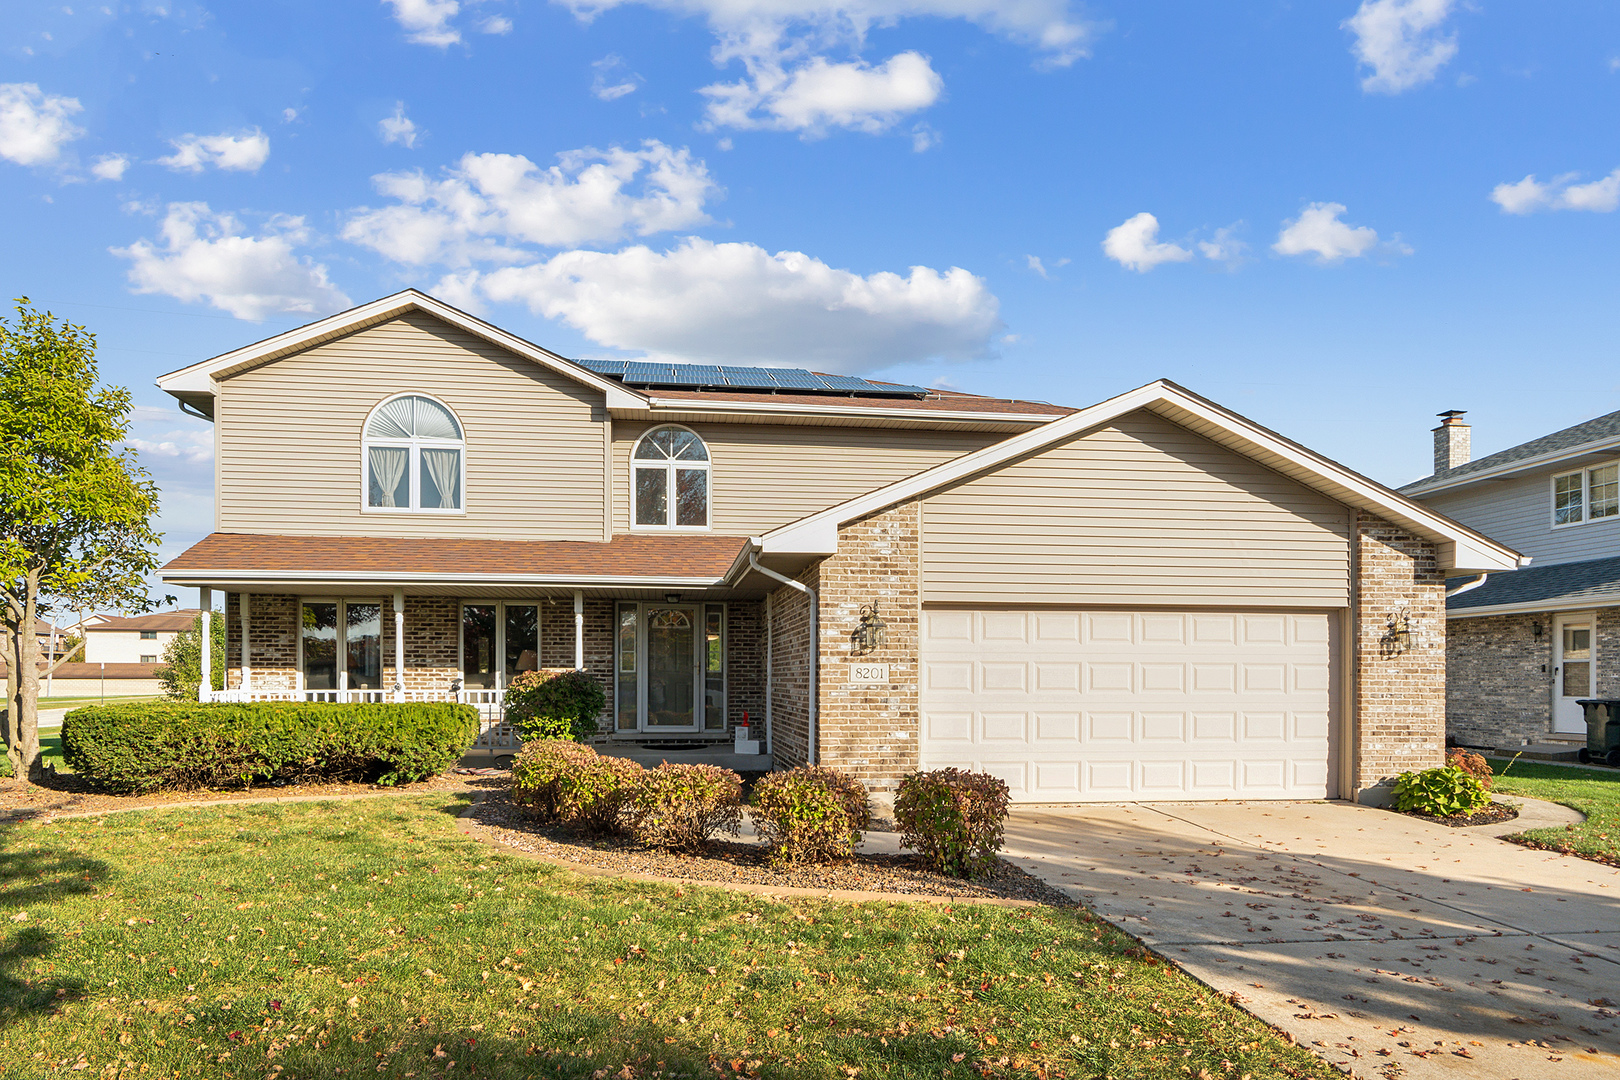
x=1450, y=441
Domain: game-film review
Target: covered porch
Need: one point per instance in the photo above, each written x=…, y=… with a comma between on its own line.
x=680, y=656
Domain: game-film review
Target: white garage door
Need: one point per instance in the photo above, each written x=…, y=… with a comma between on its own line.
x=1100, y=706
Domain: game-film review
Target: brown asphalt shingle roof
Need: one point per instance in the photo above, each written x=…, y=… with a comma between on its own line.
x=627, y=555
x=77, y=670
x=179, y=619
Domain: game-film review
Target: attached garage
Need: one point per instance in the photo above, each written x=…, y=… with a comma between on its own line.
x=1071, y=705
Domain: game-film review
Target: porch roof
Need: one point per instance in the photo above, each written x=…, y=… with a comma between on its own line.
x=648, y=560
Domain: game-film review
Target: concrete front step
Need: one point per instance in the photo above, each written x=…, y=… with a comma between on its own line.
x=1547, y=751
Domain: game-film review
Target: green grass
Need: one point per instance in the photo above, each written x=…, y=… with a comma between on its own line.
x=1593, y=792
x=371, y=937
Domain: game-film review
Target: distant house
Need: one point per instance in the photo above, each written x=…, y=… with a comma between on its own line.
x=137, y=640
x=1524, y=647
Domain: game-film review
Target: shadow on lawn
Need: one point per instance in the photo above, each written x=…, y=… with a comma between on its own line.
x=44, y=877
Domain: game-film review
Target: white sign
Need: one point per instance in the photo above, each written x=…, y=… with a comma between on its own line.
x=869, y=673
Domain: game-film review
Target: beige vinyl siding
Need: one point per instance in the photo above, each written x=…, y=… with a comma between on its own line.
x=289, y=438
x=765, y=475
x=1518, y=512
x=1140, y=512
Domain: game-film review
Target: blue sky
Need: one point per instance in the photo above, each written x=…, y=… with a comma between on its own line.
x=1340, y=240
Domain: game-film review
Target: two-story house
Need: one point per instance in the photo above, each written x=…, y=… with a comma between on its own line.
x=1147, y=598
x=1524, y=648
x=139, y=639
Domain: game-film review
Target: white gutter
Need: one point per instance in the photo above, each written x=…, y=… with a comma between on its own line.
x=188, y=576
x=815, y=650
x=1467, y=586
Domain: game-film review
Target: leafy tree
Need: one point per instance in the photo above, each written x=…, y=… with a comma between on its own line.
x=181, y=670
x=75, y=508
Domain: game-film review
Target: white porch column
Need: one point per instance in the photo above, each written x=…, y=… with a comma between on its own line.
x=579, y=630
x=245, y=601
x=399, y=644
x=205, y=603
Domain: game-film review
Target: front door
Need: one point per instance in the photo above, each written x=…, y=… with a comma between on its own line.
x=1574, y=672
x=670, y=668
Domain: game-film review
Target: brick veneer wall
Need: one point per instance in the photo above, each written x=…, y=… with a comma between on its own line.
x=1399, y=697
x=1608, y=652
x=871, y=730
x=432, y=643
x=790, y=672
x=1499, y=678
x=745, y=663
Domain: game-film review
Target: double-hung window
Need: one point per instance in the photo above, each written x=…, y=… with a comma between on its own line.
x=670, y=480
x=415, y=457
x=1589, y=495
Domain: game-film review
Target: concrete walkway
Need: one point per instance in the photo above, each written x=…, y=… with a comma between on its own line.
x=1391, y=946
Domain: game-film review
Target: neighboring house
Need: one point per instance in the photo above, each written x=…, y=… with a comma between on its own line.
x=1524, y=648
x=139, y=639
x=1149, y=598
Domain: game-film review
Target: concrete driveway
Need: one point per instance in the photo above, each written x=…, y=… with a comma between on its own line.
x=1393, y=947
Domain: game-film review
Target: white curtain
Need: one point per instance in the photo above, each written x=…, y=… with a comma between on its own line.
x=388, y=465
x=444, y=468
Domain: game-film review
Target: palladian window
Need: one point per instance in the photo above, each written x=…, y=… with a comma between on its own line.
x=414, y=456
x=670, y=485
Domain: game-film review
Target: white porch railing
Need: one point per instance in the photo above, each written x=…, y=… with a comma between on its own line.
x=494, y=733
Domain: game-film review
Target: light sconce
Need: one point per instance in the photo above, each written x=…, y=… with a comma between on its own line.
x=672, y=598
x=870, y=635
x=1536, y=629
x=1398, y=634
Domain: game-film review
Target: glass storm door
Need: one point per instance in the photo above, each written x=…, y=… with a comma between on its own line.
x=1573, y=673
x=671, y=668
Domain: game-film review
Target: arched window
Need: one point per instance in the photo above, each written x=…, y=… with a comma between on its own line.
x=671, y=481
x=414, y=456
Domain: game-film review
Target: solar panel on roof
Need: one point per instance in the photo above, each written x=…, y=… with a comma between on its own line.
x=603, y=367
x=793, y=378
x=696, y=375
x=748, y=378
x=646, y=373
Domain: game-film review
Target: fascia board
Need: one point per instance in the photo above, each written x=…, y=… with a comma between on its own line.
x=199, y=378
x=270, y=577
x=1530, y=464
x=1529, y=607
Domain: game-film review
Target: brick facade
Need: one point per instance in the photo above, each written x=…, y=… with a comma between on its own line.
x=790, y=671
x=1399, y=697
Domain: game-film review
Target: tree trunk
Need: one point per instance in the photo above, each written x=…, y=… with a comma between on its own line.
x=27, y=699
x=13, y=711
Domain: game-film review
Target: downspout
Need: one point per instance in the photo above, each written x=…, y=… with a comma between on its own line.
x=1467, y=586
x=815, y=645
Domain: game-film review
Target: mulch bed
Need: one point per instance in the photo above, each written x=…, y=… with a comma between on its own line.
x=735, y=862
x=68, y=793
x=1489, y=816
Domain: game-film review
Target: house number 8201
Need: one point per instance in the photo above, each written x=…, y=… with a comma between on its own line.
x=869, y=673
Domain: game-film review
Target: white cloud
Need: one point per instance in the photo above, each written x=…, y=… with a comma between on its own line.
x=608, y=84
x=1401, y=41
x=398, y=128
x=243, y=152
x=1224, y=246
x=188, y=446
x=288, y=115
x=427, y=22
x=495, y=24
x=488, y=202
x=1135, y=245
x=738, y=303
x=109, y=167
x=1318, y=231
x=820, y=94
x=34, y=125
x=1035, y=264
x=1560, y=193
x=201, y=255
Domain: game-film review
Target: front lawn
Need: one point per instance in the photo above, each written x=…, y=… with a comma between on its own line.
x=371, y=937
x=1595, y=793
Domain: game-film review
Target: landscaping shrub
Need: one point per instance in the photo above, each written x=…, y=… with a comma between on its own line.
x=680, y=807
x=553, y=705
x=811, y=814
x=1442, y=792
x=147, y=746
x=570, y=783
x=1472, y=764
x=953, y=818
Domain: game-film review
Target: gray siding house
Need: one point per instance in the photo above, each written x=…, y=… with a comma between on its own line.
x=1524, y=647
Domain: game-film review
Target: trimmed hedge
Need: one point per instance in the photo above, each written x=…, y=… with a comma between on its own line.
x=811, y=814
x=148, y=746
x=681, y=807
x=566, y=782
x=953, y=818
x=554, y=704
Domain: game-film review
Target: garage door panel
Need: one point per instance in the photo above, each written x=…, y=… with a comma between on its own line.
x=1071, y=705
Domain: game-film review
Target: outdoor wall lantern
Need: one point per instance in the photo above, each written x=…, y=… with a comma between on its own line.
x=1398, y=634
x=1535, y=629
x=871, y=633
x=672, y=598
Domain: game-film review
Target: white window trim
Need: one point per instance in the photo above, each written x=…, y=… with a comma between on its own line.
x=1585, y=473
x=500, y=636
x=669, y=480
x=342, y=622
x=414, y=447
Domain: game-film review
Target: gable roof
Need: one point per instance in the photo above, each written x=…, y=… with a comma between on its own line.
x=190, y=384
x=1560, y=586
x=177, y=620
x=1460, y=548
x=1592, y=436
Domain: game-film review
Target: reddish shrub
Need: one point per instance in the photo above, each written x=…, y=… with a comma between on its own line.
x=570, y=783
x=811, y=814
x=680, y=807
x=1472, y=764
x=953, y=819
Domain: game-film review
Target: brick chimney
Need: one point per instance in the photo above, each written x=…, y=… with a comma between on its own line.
x=1450, y=441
